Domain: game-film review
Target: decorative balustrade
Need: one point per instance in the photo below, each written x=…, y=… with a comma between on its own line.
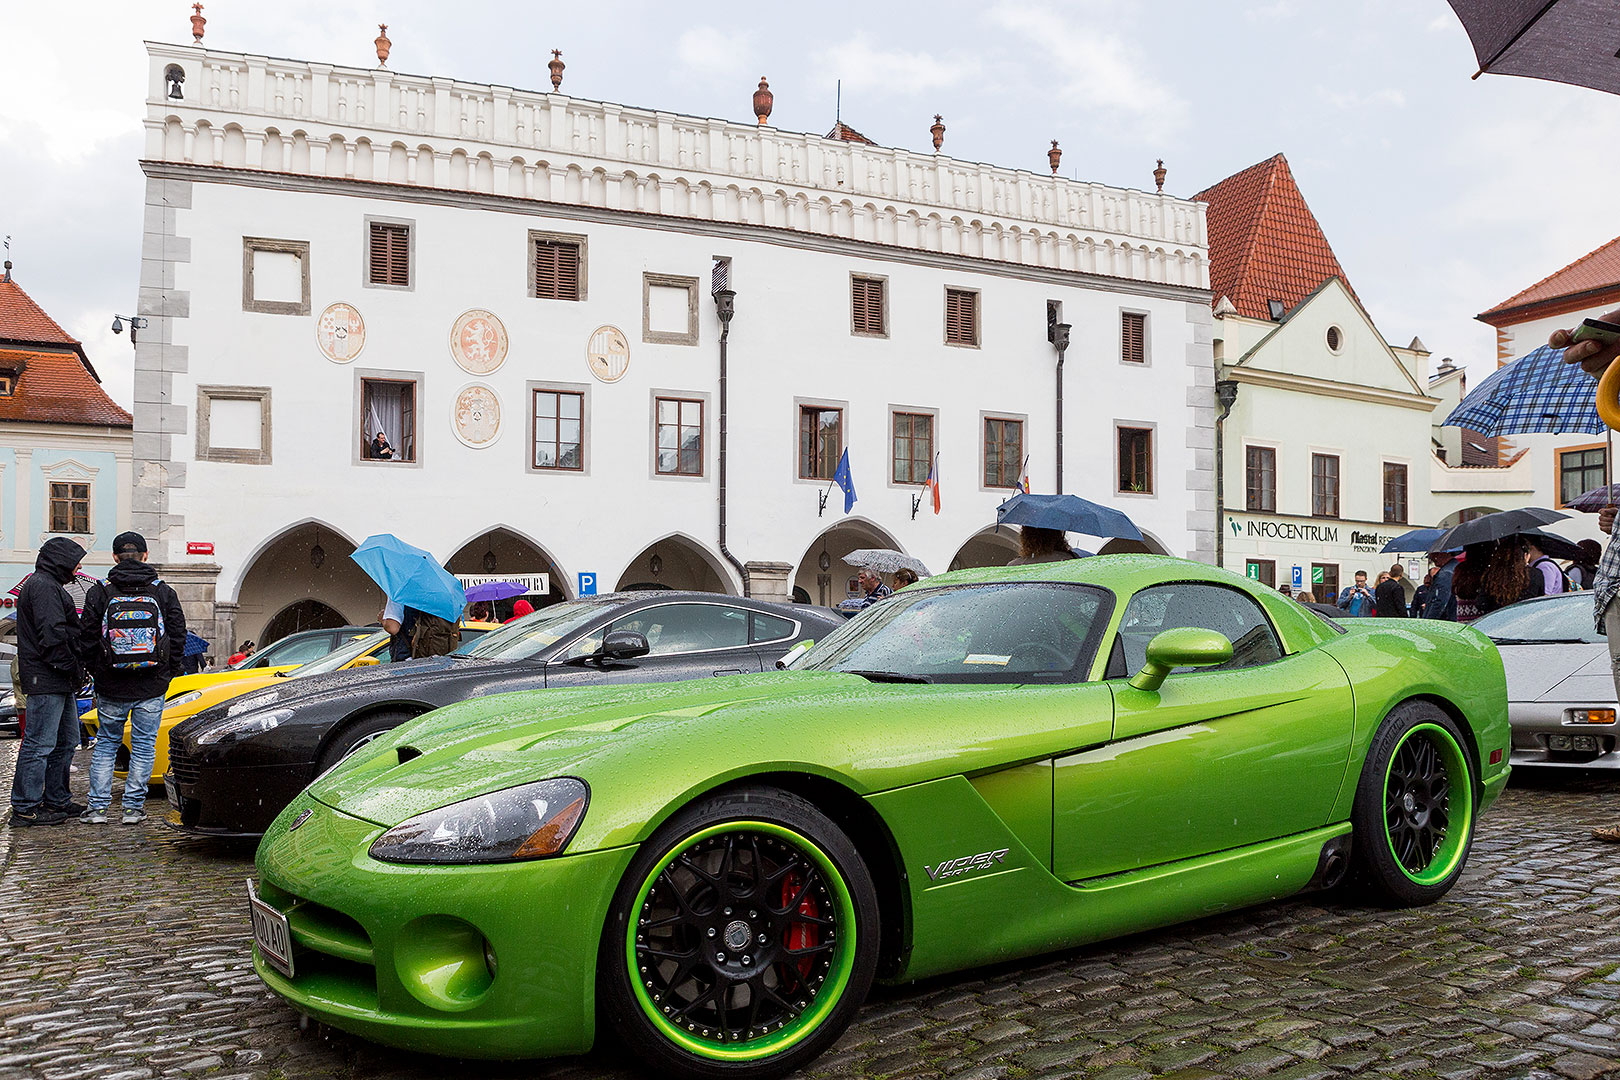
x=286, y=116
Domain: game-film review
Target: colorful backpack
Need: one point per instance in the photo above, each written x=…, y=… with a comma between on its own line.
x=133, y=634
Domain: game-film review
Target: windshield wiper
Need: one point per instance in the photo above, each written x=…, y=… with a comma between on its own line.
x=889, y=676
x=1541, y=641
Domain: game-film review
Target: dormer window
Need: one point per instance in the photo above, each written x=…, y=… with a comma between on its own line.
x=8, y=385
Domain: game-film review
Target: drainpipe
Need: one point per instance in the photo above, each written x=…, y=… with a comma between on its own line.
x=725, y=306
x=1225, y=396
x=1060, y=339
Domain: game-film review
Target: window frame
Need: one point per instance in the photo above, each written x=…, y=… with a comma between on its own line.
x=1116, y=646
x=1248, y=491
x=605, y=626
x=1152, y=430
x=1405, y=510
x=1147, y=323
x=1337, y=513
x=579, y=240
x=365, y=375
x=70, y=482
x=896, y=411
x=882, y=281
x=206, y=451
x=530, y=389
x=1268, y=571
x=409, y=226
x=1022, y=420
x=978, y=316
x=824, y=404
x=649, y=280
x=1558, y=468
x=688, y=398
x=250, y=302
x=1310, y=581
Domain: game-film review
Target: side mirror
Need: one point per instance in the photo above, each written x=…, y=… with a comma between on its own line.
x=791, y=657
x=364, y=661
x=1185, y=646
x=623, y=645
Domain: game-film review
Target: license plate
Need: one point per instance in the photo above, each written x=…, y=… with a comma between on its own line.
x=271, y=933
x=171, y=791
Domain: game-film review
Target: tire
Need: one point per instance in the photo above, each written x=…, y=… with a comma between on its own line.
x=354, y=734
x=697, y=970
x=1415, y=808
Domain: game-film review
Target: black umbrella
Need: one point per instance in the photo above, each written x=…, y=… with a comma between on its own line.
x=1567, y=41
x=1482, y=530
x=1554, y=546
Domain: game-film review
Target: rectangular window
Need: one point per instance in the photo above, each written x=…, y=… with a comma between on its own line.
x=1136, y=460
x=961, y=317
x=1003, y=452
x=556, y=266
x=1260, y=478
x=5, y=385
x=913, y=447
x=1394, y=494
x=1579, y=471
x=1133, y=337
x=233, y=424
x=1262, y=570
x=679, y=431
x=821, y=441
x=1325, y=485
x=868, y=306
x=1325, y=582
x=70, y=508
x=559, y=430
x=389, y=258
x=275, y=276
x=388, y=408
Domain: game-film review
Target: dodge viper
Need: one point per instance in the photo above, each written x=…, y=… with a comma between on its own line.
x=991, y=764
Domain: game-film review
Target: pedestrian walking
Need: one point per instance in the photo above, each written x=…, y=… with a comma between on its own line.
x=1508, y=577
x=904, y=576
x=872, y=590
x=1389, y=599
x=1286, y=589
x=433, y=636
x=1441, y=602
x=1542, y=565
x=1583, y=571
x=400, y=622
x=1357, y=600
x=1037, y=545
x=1420, y=596
x=133, y=635
x=47, y=639
x=521, y=608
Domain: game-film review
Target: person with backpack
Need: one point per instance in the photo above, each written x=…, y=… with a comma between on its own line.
x=1553, y=581
x=133, y=633
x=48, y=659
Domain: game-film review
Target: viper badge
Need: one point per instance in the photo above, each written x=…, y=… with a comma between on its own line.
x=967, y=864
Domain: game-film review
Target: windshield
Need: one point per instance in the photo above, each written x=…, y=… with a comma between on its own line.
x=338, y=658
x=1012, y=632
x=1564, y=619
x=533, y=634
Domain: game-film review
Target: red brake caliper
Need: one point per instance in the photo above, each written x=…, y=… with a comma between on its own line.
x=800, y=935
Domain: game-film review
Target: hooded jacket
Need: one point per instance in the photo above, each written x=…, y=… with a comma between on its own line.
x=47, y=624
x=132, y=576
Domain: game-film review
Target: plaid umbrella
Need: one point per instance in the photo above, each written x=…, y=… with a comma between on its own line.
x=1596, y=499
x=78, y=588
x=1536, y=394
x=1569, y=42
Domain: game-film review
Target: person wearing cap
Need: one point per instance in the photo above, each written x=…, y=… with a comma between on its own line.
x=48, y=660
x=133, y=633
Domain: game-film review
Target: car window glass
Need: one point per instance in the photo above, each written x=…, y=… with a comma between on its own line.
x=1006, y=632
x=770, y=628
x=534, y=633
x=302, y=652
x=1228, y=612
x=345, y=654
x=683, y=628
x=1566, y=618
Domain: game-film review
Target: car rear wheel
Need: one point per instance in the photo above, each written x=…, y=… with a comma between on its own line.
x=355, y=734
x=742, y=939
x=1415, y=804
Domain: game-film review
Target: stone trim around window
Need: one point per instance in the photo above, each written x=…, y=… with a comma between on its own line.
x=800, y=403
x=710, y=434
x=363, y=376
x=1152, y=428
x=206, y=396
x=300, y=248
x=669, y=337
x=579, y=240
x=999, y=414
x=552, y=386
x=410, y=253
x=888, y=464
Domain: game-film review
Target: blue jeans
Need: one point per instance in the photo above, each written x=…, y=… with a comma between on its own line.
x=51, y=736
x=144, y=717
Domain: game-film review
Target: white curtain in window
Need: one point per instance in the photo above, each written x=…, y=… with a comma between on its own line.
x=385, y=408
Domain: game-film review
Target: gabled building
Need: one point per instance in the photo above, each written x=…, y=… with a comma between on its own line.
x=65, y=446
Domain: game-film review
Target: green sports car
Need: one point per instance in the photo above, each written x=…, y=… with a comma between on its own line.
x=992, y=764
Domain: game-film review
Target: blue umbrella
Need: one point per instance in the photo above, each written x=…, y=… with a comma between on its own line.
x=1536, y=394
x=496, y=590
x=1416, y=540
x=1066, y=513
x=195, y=646
x=410, y=576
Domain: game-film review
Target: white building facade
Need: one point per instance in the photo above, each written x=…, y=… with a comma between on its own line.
x=518, y=288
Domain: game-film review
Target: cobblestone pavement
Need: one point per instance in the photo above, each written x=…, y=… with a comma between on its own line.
x=124, y=954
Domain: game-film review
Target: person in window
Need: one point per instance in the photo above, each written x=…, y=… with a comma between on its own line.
x=379, y=448
x=1042, y=546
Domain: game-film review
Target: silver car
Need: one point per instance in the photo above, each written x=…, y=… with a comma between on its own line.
x=1561, y=700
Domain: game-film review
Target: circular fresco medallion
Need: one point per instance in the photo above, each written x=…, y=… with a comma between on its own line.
x=340, y=332
x=478, y=342
x=475, y=415
x=608, y=354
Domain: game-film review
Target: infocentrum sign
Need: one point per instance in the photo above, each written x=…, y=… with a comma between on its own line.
x=1287, y=530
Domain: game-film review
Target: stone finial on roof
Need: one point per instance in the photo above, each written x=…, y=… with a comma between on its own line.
x=763, y=99
x=1417, y=345
x=7, y=276
x=197, y=24
x=938, y=132
x=556, y=67
x=383, y=45
x=1054, y=156
x=1224, y=306
x=1159, y=174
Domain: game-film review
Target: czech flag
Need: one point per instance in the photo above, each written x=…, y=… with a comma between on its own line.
x=1022, y=486
x=846, y=482
x=933, y=483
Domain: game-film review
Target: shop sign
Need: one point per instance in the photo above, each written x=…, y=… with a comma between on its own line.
x=1368, y=541
x=536, y=583
x=199, y=547
x=1287, y=530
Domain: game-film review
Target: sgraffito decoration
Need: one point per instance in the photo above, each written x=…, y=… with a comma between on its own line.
x=340, y=332
x=608, y=354
x=475, y=415
x=478, y=342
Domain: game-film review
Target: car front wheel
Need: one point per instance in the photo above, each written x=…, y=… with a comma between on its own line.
x=742, y=939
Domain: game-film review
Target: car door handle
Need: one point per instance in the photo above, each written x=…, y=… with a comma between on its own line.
x=730, y=671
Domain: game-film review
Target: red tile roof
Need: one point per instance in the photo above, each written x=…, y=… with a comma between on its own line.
x=1587, y=278
x=22, y=320
x=843, y=131
x=54, y=387
x=1264, y=242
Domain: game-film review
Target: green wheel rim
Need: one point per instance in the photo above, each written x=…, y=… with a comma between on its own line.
x=702, y=895
x=1428, y=804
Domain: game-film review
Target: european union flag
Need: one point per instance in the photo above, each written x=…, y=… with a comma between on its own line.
x=842, y=478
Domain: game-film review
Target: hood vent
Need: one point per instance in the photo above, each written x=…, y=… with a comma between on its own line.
x=406, y=753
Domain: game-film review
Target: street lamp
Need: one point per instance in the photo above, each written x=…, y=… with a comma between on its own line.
x=136, y=322
x=1059, y=333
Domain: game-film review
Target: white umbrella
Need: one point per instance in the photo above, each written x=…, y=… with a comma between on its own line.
x=885, y=561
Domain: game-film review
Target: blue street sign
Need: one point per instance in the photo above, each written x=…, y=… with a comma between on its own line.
x=587, y=582
x=1299, y=578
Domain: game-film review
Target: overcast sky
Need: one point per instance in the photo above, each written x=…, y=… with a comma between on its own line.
x=1441, y=196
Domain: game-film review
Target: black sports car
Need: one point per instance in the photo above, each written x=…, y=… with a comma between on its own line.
x=234, y=766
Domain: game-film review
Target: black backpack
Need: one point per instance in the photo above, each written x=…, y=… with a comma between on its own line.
x=133, y=633
x=1568, y=585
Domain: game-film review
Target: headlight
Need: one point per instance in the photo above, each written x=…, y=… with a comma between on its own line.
x=183, y=699
x=247, y=724
x=525, y=822
x=249, y=703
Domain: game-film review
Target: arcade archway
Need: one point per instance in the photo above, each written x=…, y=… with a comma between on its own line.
x=1148, y=545
x=822, y=572
x=499, y=550
x=1469, y=514
x=992, y=546
x=301, y=615
x=676, y=562
x=306, y=564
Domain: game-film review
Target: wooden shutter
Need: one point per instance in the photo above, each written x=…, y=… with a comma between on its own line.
x=556, y=270
x=390, y=254
x=961, y=317
x=1132, y=338
x=866, y=300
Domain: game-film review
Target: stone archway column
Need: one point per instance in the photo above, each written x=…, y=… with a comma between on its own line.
x=771, y=581
x=194, y=584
